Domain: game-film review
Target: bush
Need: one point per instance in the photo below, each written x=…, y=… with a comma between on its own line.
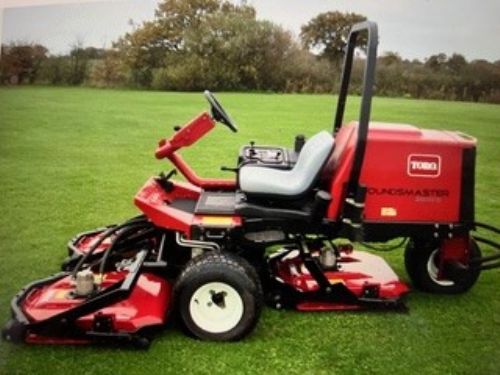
x=108, y=72
x=56, y=70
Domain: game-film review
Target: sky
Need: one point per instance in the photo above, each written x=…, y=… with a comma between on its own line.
x=413, y=28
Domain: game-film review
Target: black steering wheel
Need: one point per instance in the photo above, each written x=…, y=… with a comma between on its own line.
x=218, y=113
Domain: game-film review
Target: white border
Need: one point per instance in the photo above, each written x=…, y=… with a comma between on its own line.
x=37, y=3
x=420, y=175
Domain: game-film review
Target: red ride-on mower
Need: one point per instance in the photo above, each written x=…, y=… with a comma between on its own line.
x=204, y=247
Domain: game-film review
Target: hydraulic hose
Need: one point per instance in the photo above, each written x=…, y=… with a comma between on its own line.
x=126, y=232
x=385, y=247
x=104, y=236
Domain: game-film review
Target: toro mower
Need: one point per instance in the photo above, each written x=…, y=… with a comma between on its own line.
x=279, y=231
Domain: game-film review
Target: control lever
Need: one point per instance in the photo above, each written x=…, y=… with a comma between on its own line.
x=300, y=140
x=164, y=180
x=170, y=174
x=251, y=150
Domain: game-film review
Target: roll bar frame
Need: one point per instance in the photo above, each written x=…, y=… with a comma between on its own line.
x=366, y=98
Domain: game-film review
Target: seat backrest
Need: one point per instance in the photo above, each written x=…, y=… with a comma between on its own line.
x=289, y=184
x=312, y=157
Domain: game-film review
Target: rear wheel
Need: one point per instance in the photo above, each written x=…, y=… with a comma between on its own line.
x=218, y=297
x=422, y=266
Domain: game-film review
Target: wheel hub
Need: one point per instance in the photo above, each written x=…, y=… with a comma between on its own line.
x=216, y=307
x=433, y=270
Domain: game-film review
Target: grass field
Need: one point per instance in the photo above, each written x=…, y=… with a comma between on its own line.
x=72, y=159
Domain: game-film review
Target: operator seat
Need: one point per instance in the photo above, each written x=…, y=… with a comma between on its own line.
x=265, y=181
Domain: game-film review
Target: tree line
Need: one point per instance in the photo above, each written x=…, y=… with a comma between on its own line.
x=191, y=45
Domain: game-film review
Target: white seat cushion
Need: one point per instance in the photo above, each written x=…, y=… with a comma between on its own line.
x=264, y=180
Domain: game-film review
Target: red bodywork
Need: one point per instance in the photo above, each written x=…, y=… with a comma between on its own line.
x=412, y=175
x=155, y=202
x=185, y=137
x=145, y=307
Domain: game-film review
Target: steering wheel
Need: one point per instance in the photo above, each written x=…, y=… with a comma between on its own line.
x=218, y=113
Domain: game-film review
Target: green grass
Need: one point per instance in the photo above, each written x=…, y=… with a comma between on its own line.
x=72, y=159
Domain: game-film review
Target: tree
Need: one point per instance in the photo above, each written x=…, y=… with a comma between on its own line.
x=482, y=79
x=147, y=47
x=193, y=44
x=21, y=62
x=456, y=63
x=327, y=34
x=108, y=71
x=55, y=70
x=436, y=62
x=390, y=58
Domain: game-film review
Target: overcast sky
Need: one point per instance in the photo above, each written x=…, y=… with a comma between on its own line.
x=413, y=28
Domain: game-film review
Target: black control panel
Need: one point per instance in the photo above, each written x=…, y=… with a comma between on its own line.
x=271, y=156
x=268, y=156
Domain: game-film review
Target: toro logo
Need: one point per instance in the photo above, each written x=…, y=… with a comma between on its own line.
x=421, y=165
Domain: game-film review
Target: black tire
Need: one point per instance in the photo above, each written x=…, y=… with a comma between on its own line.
x=202, y=290
x=418, y=263
x=141, y=342
x=14, y=332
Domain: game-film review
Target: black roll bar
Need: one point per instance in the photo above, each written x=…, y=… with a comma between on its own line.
x=366, y=99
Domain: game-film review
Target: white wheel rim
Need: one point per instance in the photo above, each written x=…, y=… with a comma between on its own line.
x=433, y=271
x=216, y=307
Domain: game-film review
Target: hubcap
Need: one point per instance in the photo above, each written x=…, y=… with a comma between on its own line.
x=216, y=307
x=433, y=270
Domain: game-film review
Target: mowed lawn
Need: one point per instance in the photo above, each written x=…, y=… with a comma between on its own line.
x=72, y=160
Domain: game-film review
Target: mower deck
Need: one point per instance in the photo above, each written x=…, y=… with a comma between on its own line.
x=125, y=305
x=359, y=280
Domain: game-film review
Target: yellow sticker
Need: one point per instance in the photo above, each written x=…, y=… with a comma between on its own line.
x=336, y=281
x=388, y=211
x=98, y=279
x=60, y=294
x=219, y=221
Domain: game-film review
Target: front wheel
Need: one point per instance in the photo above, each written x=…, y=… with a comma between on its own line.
x=218, y=297
x=422, y=266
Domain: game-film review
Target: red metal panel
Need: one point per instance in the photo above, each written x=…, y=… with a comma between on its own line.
x=152, y=200
x=205, y=183
x=339, y=167
x=411, y=175
x=146, y=306
x=455, y=249
x=189, y=134
x=186, y=136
